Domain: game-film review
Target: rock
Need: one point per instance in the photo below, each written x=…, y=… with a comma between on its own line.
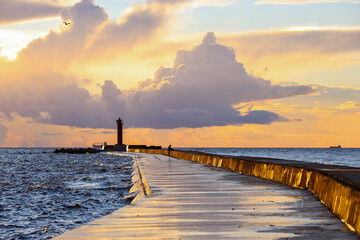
x=77, y=150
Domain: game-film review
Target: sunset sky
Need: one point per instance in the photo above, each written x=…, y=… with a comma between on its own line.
x=201, y=73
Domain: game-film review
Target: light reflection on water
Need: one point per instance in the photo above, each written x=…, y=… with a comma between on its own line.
x=82, y=184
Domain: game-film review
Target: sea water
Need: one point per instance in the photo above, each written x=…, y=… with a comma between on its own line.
x=45, y=194
x=334, y=156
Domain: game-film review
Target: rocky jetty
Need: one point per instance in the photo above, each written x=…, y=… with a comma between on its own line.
x=77, y=150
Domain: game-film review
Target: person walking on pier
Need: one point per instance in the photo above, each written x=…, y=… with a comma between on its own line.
x=169, y=149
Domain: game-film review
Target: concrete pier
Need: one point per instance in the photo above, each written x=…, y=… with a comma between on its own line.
x=338, y=187
x=195, y=201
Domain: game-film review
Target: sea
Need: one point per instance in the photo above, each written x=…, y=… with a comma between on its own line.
x=333, y=156
x=44, y=194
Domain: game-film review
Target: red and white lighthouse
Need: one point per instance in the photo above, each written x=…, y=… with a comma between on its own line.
x=119, y=131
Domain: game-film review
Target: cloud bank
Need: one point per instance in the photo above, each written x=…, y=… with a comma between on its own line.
x=330, y=41
x=92, y=35
x=199, y=90
x=3, y=133
x=21, y=10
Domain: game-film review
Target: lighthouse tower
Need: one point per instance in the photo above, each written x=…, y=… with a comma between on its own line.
x=119, y=131
x=119, y=146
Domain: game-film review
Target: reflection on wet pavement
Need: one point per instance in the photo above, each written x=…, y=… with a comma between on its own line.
x=195, y=201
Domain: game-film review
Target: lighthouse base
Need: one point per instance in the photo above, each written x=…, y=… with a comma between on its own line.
x=121, y=147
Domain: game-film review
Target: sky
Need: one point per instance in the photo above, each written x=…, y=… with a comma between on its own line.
x=191, y=73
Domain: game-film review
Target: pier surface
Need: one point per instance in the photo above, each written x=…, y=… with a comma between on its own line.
x=194, y=201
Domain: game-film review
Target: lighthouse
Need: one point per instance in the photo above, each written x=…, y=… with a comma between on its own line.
x=119, y=146
x=119, y=131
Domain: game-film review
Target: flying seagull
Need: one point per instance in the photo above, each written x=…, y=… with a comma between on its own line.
x=66, y=23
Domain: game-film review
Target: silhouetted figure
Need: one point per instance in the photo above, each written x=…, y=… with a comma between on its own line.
x=66, y=23
x=169, y=149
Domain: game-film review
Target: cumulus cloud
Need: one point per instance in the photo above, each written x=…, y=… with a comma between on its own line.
x=262, y=117
x=92, y=34
x=20, y=10
x=139, y=24
x=57, y=49
x=200, y=89
x=55, y=100
x=39, y=91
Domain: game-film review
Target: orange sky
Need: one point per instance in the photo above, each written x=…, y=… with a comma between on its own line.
x=177, y=77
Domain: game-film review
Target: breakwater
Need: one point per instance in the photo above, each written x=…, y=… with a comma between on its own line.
x=338, y=187
x=140, y=186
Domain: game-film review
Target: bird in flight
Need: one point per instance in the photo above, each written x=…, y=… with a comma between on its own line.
x=66, y=23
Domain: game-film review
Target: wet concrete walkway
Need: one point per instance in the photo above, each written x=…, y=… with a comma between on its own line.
x=196, y=201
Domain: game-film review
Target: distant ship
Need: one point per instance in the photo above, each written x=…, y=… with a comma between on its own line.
x=339, y=146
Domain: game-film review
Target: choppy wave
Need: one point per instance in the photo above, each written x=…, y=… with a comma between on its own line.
x=46, y=194
x=334, y=156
